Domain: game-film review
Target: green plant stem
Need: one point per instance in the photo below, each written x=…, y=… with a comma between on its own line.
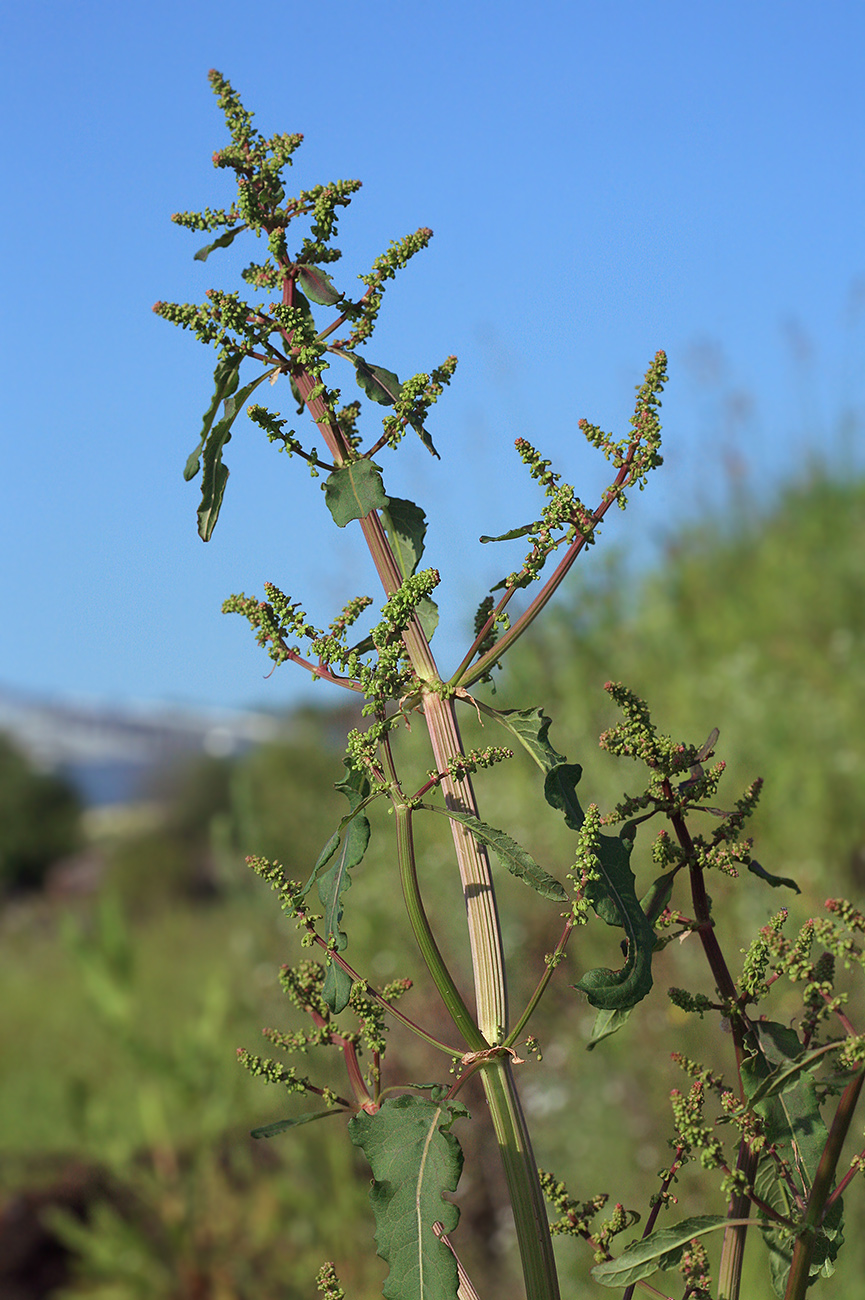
x=529, y=1208
x=487, y=660
x=803, y=1251
x=739, y=1207
x=424, y=936
x=552, y=963
x=527, y=1199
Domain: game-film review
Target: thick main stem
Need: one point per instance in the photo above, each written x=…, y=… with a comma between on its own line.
x=512, y=1135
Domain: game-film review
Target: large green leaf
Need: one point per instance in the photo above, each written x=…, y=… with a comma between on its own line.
x=380, y=385
x=222, y=242
x=530, y=727
x=614, y=899
x=414, y=1160
x=225, y=379
x=511, y=855
x=353, y=491
x=319, y=287
x=343, y=855
x=214, y=474
x=660, y=1250
x=405, y=525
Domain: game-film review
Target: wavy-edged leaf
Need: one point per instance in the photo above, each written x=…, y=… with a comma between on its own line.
x=222, y=242
x=281, y=1125
x=380, y=385
x=225, y=379
x=660, y=1250
x=511, y=534
x=511, y=855
x=775, y=881
x=415, y=1159
x=405, y=525
x=614, y=899
x=530, y=727
x=353, y=491
x=319, y=287
x=214, y=473
x=352, y=840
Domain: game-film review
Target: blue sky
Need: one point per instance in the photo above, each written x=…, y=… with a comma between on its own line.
x=603, y=179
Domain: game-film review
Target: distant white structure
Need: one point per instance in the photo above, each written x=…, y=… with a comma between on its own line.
x=108, y=750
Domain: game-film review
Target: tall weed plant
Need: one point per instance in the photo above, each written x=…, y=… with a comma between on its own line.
x=768, y=1127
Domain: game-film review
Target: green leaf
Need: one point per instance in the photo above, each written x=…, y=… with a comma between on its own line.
x=614, y=899
x=353, y=491
x=654, y=902
x=225, y=377
x=319, y=287
x=660, y=1250
x=415, y=1159
x=352, y=841
x=424, y=437
x=281, y=1125
x=606, y=1024
x=511, y=855
x=405, y=525
x=222, y=242
x=380, y=385
x=513, y=533
x=428, y=616
x=530, y=727
x=774, y=881
x=214, y=475
x=785, y=1074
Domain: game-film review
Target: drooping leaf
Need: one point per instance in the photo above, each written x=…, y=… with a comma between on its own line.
x=424, y=437
x=660, y=1250
x=319, y=287
x=774, y=881
x=606, y=1024
x=380, y=385
x=614, y=899
x=511, y=534
x=511, y=855
x=414, y=1160
x=214, y=474
x=353, y=491
x=405, y=525
x=225, y=378
x=281, y=1125
x=222, y=242
x=353, y=839
x=530, y=727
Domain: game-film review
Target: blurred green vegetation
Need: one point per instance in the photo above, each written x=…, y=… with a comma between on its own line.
x=40, y=816
x=121, y=1013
